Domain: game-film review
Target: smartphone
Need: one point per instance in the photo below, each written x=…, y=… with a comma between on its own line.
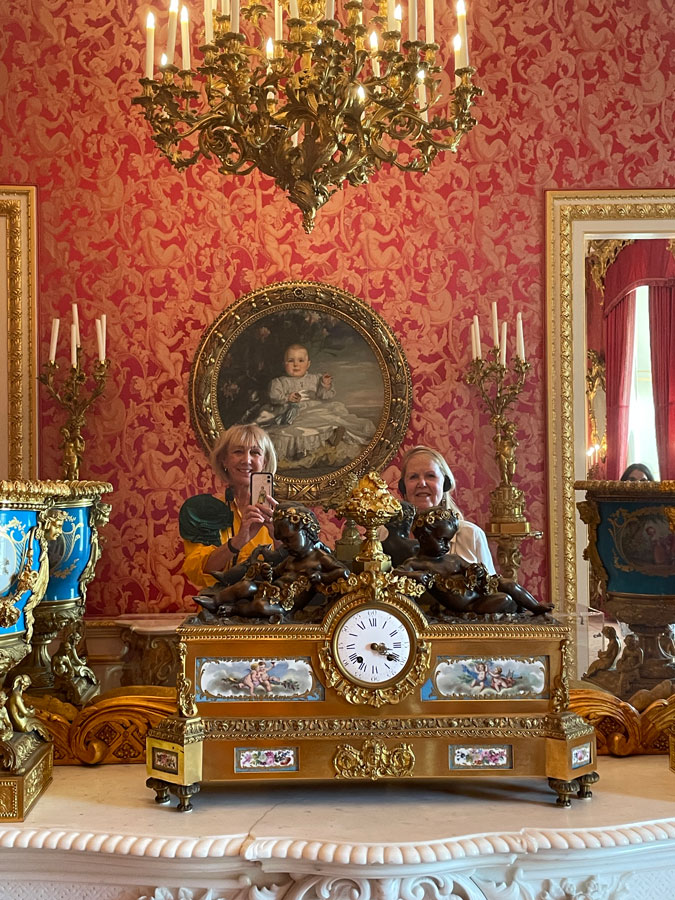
x=262, y=487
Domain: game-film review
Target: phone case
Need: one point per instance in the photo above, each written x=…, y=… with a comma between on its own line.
x=262, y=486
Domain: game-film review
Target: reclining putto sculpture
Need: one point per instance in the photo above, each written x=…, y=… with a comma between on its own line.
x=277, y=585
x=458, y=586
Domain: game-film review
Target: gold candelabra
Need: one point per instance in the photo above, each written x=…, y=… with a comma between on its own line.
x=71, y=397
x=499, y=388
x=312, y=111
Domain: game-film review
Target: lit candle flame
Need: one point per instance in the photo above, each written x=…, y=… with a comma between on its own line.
x=373, y=41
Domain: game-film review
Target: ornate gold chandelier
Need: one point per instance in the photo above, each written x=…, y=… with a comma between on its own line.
x=312, y=110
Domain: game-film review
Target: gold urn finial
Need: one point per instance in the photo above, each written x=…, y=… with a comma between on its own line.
x=370, y=505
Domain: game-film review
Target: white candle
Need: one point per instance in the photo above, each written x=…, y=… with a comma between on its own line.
x=234, y=14
x=171, y=38
x=330, y=9
x=76, y=323
x=104, y=329
x=495, y=325
x=474, y=352
x=150, y=46
x=185, y=37
x=412, y=20
x=429, y=20
x=373, y=50
x=278, y=13
x=294, y=9
x=457, y=46
x=391, y=21
x=226, y=7
x=73, y=346
x=208, y=22
x=520, y=339
x=52, y=343
x=99, y=341
x=422, y=95
x=502, y=347
x=461, y=28
x=477, y=331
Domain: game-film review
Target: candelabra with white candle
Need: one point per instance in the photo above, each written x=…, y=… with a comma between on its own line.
x=499, y=381
x=75, y=395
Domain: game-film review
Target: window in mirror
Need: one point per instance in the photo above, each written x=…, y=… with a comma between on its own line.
x=641, y=421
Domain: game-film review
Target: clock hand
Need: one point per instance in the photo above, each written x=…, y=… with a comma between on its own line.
x=385, y=651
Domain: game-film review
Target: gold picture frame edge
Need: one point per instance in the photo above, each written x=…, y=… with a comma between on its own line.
x=18, y=207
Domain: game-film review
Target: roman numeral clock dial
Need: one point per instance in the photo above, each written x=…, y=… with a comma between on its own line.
x=373, y=646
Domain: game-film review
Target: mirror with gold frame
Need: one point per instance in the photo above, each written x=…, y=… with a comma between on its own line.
x=341, y=407
x=573, y=220
x=18, y=368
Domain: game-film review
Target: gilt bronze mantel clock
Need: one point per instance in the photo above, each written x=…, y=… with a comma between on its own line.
x=378, y=688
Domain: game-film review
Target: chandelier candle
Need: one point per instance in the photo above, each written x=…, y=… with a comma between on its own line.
x=293, y=116
x=171, y=38
x=150, y=46
x=463, y=60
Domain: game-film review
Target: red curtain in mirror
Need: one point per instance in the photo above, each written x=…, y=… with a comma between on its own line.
x=662, y=348
x=652, y=263
x=620, y=334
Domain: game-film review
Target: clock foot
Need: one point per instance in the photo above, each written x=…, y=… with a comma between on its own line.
x=585, y=782
x=184, y=792
x=161, y=789
x=565, y=790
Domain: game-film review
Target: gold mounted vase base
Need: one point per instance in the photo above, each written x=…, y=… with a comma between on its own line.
x=20, y=789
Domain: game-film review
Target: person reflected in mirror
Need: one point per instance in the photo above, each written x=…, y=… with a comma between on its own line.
x=218, y=533
x=427, y=481
x=459, y=586
x=637, y=472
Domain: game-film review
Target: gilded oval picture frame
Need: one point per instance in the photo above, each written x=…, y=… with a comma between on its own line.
x=318, y=369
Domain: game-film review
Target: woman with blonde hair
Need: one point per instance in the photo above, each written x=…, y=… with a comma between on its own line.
x=427, y=480
x=219, y=533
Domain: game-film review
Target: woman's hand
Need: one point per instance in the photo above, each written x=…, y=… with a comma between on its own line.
x=253, y=518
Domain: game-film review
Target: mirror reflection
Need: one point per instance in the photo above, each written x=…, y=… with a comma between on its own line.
x=609, y=343
x=630, y=298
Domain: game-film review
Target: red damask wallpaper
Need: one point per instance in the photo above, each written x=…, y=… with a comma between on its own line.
x=578, y=94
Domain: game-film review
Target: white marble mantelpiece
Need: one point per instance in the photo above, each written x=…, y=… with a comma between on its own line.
x=97, y=834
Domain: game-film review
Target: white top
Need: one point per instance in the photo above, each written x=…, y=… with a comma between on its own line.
x=470, y=544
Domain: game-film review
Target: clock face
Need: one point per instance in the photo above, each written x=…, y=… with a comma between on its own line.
x=373, y=645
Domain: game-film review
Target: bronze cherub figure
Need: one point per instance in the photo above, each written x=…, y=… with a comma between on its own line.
x=458, y=586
